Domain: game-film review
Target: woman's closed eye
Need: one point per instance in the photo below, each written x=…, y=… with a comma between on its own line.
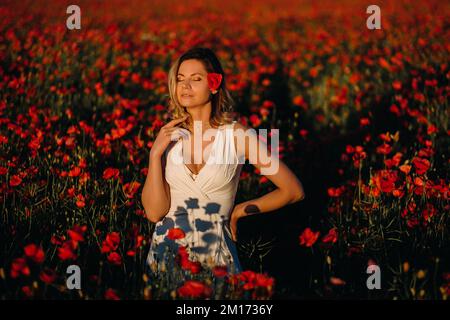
x=196, y=79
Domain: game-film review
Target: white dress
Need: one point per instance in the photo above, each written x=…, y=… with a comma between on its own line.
x=201, y=206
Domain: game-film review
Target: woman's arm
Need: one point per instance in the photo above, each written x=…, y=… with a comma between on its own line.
x=155, y=193
x=289, y=188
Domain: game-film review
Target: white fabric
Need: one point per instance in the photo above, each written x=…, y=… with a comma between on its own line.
x=201, y=205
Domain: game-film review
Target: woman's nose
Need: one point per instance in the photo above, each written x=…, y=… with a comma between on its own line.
x=186, y=83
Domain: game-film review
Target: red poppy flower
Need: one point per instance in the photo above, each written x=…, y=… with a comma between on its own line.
x=35, y=253
x=336, y=192
x=412, y=222
x=110, y=294
x=139, y=240
x=115, y=258
x=426, y=152
x=80, y=201
x=421, y=165
x=15, y=181
x=111, y=243
x=194, y=289
x=176, y=233
x=255, y=120
x=76, y=234
x=182, y=252
x=66, y=251
x=247, y=276
x=337, y=281
x=250, y=280
x=397, y=85
x=19, y=266
x=110, y=173
x=299, y=101
x=220, y=271
x=331, y=236
x=405, y=169
x=364, y=122
x=131, y=188
x=418, y=182
x=384, y=63
x=429, y=212
x=395, y=161
x=193, y=266
x=75, y=172
x=27, y=291
x=57, y=240
x=384, y=149
x=385, y=180
x=70, y=142
x=47, y=276
x=214, y=80
x=186, y=263
x=398, y=193
x=3, y=139
x=264, y=281
x=308, y=237
x=82, y=163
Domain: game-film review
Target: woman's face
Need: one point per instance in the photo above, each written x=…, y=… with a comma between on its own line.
x=192, y=84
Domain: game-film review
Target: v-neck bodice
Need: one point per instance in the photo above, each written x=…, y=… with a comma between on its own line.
x=211, y=147
x=218, y=178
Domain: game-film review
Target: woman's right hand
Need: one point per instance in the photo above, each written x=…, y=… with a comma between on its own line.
x=166, y=135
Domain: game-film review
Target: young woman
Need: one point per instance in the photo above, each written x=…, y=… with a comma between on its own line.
x=192, y=202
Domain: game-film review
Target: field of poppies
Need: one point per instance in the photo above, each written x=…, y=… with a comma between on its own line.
x=363, y=119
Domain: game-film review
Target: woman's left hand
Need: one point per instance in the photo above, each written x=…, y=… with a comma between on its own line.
x=238, y=212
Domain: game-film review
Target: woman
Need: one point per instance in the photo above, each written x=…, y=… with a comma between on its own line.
x=190, y=201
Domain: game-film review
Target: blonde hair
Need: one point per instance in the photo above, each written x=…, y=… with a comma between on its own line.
x=221, y=102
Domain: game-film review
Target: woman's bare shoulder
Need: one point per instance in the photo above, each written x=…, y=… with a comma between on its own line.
x=242, y=131
x=239, y=127
x=244, y=136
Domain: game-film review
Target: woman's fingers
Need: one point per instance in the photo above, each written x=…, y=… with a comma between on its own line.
x=176, y=133
x=184, y=131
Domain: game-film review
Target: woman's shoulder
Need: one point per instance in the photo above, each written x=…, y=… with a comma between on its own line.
x=237, y=125
x=240, y=129
x=244, y=137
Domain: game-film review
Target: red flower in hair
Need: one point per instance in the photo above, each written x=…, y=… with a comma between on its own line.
x=214, y=80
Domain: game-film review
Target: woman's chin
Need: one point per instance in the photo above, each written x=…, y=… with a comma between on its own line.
x=190, y=104
x=186, y=101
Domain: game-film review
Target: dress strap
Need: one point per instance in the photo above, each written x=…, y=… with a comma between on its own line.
x=230, y=145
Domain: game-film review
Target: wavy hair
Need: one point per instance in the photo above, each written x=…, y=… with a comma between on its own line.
x=222, y=103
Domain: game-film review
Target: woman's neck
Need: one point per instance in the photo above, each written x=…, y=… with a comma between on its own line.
x=201, y=113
